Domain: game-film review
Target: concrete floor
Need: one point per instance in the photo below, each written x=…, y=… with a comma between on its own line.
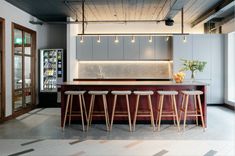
x=44, y=124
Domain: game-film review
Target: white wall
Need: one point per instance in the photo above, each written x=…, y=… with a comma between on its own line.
x=72, y=63
x=12, y=14
x=229, y=27
x=44, y=33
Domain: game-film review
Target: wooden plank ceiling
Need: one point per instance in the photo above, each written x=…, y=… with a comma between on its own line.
x=103, y=10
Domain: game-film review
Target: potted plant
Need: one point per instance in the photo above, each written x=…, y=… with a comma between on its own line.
x=193, y=66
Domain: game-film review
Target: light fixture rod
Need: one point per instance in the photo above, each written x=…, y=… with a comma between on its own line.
x=83, y=16
x=182, y=20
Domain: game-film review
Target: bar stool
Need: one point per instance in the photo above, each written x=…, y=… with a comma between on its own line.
x=121, y=93
x=173, y=113
x=92, y=103
x=69, y=105
x=145, y=114
x=197, y=112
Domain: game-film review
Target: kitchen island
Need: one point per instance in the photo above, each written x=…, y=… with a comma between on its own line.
x=131, y=85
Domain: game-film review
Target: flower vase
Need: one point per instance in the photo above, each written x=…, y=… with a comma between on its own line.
x=192, y=76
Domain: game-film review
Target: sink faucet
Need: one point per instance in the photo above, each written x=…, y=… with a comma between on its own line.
x=100, y=74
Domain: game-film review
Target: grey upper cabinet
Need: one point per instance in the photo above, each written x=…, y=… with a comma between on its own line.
x=115, y=49
x=202, y=52
x=163, y=47
x=84, y=50
x=181, y=50
x=100, y=50
x=146, y=48
x=131, y=50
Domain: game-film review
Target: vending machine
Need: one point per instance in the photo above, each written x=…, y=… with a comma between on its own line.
x=51, y=73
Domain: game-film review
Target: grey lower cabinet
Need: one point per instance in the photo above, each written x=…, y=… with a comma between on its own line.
x=209, y=48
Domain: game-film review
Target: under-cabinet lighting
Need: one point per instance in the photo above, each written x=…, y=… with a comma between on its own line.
x=150, y=39
x=81, y=39
x=133, y=39
x=116, y=39
x=124, y=62
x=98, y=39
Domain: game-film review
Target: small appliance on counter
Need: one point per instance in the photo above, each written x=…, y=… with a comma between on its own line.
x=52, y=71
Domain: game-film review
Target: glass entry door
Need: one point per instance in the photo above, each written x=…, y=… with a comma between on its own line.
x=23, y=64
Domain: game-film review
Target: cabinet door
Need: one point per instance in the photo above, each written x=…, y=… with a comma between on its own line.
x=131, y=50
x=181, y=50
x=115, y=49
x=202, y=52
x=146, y=48
x=217, y=68
x=162, y=47
x=84, y=50
x=100, y=49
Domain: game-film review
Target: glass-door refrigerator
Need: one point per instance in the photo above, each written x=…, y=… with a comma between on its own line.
x=51, y=73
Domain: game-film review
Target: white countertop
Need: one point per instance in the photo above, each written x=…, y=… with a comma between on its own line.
x=133, y=83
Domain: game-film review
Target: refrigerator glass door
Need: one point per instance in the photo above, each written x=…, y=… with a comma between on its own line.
x=48, y=73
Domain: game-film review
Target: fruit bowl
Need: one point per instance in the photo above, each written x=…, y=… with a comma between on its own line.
x=179, y=77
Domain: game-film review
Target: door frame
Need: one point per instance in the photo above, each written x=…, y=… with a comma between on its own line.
x=3, y=100
x=33, y=69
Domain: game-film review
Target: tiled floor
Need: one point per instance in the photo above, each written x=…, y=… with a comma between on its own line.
x=39, y=133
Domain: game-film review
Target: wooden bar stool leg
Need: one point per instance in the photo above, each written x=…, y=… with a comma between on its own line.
x=158, y=109
x=113, y=112
x=172, y=108
x=182, y=107
x=160, y=114
x=66, y=111
x=105, y=112
x=201, y=113
x=70, y=109
x=195, y=105
x=92, y=109
x=81, y=110
x=151, y=112
x=176, y=112
x=89, y=114
x=136, y=111
x=84, y=105
x=128, y=112
x=185, y=111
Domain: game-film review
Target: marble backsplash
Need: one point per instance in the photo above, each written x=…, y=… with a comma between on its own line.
x=125, y=69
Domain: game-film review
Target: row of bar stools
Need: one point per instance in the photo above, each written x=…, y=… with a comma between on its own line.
x=173, y=113
x=91, y=109
x=197, y=101
x=114, y=113
x=144, y=114
x=69, y=106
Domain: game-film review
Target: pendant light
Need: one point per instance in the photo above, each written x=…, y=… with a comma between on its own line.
x=98, y=39
x=81, y=39
x=132, y=39
x=150, y=39
x=116, y=39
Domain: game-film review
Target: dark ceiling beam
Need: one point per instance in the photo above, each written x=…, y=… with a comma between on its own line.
x=225, y=20
x=214, y=11
x=175, y=8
